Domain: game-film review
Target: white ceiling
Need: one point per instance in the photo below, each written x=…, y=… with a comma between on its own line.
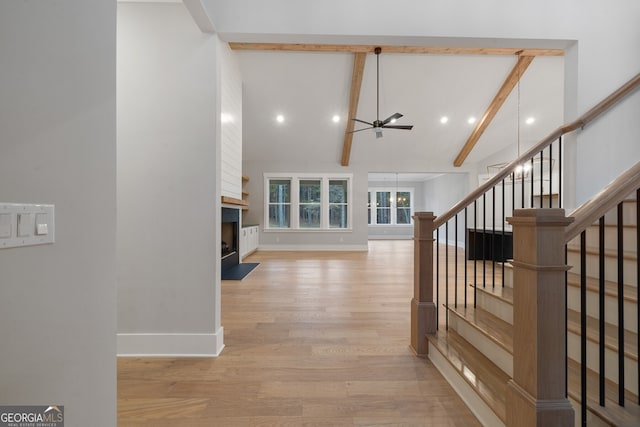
x=308, y=88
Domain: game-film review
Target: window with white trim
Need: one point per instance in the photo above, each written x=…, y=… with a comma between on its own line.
x=388, y=206
x=308, y=201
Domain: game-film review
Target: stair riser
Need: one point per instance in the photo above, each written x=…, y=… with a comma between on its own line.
x=495, y=306
x=611, y=362
x=475, y=403
x=508, y=276
x=628, y=214
x=610, y=267
x=629, y=239
x=495, y=353
x=610, y=308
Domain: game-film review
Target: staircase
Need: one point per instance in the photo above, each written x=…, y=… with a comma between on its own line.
x=534, y=342
x=475, y=352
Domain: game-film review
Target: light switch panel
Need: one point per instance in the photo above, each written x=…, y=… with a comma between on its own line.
x=26, y=225
x=5, y=225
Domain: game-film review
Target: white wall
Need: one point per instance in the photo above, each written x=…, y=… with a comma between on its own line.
x=57, y=127
x=598, y=36
x=442, y=193
x=168, y=183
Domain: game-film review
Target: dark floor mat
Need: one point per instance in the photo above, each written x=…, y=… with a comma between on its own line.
x=239, y=272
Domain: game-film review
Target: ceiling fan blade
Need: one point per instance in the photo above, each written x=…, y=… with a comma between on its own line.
x=362, y=121
x=404, y=127
x=358, y=130
x=395, y=116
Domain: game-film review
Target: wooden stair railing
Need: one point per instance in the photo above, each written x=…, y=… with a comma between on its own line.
x=603, y=202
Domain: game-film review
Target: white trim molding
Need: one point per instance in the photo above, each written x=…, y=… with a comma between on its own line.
x=171, y=345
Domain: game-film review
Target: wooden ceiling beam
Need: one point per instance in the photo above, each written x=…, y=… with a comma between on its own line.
x=508, y=85
x=352, y=48
x=359, y=60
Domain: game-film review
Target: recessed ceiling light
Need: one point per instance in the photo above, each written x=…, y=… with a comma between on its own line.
x=471, y=120
x=444, y=119
x=393, y=120
x=226, y=118
x=280, y=118
x=336, y=118
x=530, y=120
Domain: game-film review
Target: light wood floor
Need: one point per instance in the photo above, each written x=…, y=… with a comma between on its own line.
x=312, y=339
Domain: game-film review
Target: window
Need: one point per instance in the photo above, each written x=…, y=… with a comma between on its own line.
x=279, y=203
x=391, y=206
x=308, y=202
x=383, y=207
x=338, y=192
x=403, y=207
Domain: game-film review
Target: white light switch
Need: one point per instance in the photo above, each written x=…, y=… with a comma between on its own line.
x=26, y=225
x=5, y=226
x=42, y=224
x=42, y=229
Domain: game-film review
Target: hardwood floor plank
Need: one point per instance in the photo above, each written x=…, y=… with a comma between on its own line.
x=312, y=339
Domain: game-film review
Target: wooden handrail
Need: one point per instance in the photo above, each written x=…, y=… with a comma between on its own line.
x=604, y=201
x=580, y=123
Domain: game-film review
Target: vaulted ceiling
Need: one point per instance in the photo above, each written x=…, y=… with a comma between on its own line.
x=309, y=87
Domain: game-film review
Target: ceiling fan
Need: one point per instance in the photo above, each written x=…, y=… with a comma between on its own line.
x=387, y=123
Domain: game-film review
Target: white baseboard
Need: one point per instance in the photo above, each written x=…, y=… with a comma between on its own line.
x=390, y=237
x=313, y=248
x=171, y=345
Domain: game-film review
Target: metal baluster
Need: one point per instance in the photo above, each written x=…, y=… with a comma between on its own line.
x=493, y=238
x=550, y=175
x=532, y=173
x=455, y=263
x=541, y=179
x=566, y=322
x=620, y=308
x=475, y=254
x=522, y=185
x=446, y=273
x=601, y=300
x=503, y=239
x=484, y=236
x=437, y=278
x=560, y=172
x=466, y=255
x=583, y=327
x=513, y=192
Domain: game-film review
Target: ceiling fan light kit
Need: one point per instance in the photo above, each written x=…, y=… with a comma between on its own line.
x=377, y=125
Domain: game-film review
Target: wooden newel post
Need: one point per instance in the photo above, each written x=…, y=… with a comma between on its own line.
x=536, y=395
x=423, y=309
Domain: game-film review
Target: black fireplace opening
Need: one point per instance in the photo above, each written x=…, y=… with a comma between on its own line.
x=230, y=231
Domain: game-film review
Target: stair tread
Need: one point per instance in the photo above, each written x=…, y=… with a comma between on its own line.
x=611, y=334
x=629, y=415
x=493, y=327
x=610, y=287
x=489, y=381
